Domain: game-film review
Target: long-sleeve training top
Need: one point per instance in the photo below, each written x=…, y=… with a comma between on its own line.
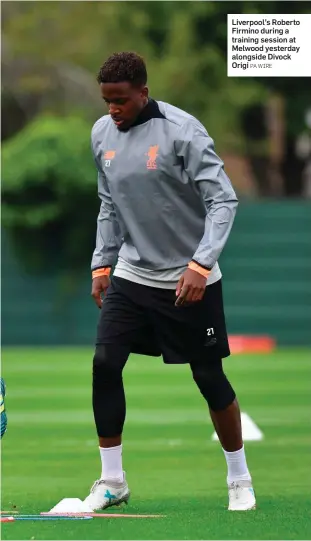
x=165, y=198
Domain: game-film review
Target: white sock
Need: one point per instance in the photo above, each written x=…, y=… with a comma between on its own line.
x=111, y=458
x=237, y=466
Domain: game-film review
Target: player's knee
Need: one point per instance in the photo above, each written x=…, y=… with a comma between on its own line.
x=108, y=363
x=214, y=385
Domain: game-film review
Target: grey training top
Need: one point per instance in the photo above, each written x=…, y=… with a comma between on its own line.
x=165, y=198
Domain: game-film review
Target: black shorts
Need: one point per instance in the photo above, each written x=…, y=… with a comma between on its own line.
x=147, y=321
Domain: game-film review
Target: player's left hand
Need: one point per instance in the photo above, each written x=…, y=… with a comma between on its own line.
x=190, y=288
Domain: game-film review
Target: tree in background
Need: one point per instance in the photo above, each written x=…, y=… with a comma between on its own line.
x=293, y=92
x=49, y=204
x=72, y=35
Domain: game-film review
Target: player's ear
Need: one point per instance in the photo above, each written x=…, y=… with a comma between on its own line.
x=145, y=92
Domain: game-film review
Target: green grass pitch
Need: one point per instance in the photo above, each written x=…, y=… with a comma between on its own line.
x=173, y=468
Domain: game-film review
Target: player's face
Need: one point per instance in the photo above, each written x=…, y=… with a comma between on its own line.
x=124, y=102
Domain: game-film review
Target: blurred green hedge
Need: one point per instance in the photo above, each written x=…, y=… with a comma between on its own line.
x=49, y=194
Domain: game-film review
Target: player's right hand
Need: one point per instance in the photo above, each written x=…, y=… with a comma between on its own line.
x=100, y=285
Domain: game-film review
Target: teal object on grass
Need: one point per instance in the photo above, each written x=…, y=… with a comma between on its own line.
x=4, y=420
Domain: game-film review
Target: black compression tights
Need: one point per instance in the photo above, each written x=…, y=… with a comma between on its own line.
x=108, y=392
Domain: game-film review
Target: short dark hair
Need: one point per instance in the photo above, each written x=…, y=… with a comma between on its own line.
x=120, y=67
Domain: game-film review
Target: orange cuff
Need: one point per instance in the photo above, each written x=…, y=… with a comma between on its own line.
x=105, y=271
x=195, y=267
